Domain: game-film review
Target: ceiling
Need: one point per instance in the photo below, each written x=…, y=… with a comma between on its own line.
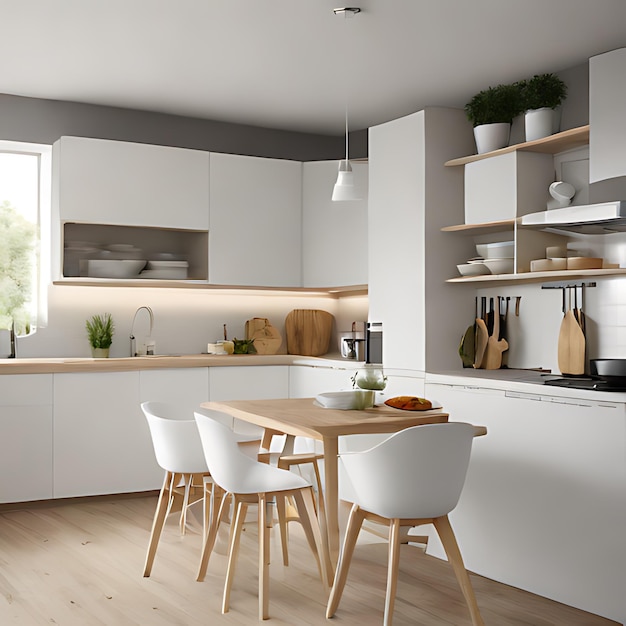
x=293, y=64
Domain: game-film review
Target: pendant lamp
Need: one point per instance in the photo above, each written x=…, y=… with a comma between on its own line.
x=344, y=189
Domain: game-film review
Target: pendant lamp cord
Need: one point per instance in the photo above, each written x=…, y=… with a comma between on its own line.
x=345, y=27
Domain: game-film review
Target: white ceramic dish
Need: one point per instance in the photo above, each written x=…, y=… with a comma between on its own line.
x=500, y=266
x=346, y=400
x=473, y=269
x=112, y=268
x=154, y=265
x=165, y=273
x=497, y=250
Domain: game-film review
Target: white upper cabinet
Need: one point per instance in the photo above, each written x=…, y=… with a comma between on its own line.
x=334, y=234
x=607, y=119
x=117, y=182
x=255, y=221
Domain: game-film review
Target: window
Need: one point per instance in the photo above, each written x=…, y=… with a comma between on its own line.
x=25, y=171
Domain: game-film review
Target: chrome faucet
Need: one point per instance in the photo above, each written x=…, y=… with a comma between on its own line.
x=133, y=342
x=12, y=336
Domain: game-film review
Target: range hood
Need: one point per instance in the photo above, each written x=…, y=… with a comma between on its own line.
x=589, y=219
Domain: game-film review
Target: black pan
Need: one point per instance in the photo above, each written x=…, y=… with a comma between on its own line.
x=611, y=370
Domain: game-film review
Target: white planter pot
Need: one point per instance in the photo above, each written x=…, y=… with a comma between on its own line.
x=491, y=136
x=541, y=123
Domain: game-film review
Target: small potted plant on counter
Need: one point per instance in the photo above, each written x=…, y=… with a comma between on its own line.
x=491, y=112
x=541, y=96
x=100, y=330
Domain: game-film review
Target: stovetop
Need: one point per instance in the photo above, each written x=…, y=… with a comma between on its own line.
x=593, y=384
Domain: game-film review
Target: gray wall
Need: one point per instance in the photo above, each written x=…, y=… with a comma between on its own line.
x=44, y=121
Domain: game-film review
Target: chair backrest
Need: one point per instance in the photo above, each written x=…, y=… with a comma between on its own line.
x=175, y=439
x=231, y=468
x=228, y=465
x=416, y=473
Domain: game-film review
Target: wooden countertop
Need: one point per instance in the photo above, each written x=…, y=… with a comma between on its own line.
x=129, y=364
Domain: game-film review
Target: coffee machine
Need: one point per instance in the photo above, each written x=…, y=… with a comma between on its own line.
x=374, y=343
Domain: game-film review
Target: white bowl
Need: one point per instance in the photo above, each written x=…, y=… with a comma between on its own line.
x=500, y=266
x=165, y=273
x=154, y=265
x=473, y=269
x=346, y=400
x=113, y=268
x=497, y=250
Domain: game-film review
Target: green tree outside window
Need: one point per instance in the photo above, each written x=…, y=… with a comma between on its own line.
x=17, y=243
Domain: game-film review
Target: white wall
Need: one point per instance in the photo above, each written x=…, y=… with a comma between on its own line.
x=185, y=320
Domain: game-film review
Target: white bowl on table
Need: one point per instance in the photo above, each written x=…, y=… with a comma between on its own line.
x=353, y=399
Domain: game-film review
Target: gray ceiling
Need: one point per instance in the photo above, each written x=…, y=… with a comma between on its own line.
x=292, y=64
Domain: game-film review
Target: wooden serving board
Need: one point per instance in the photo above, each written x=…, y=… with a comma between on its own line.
x=308, y=331
x=571, y=346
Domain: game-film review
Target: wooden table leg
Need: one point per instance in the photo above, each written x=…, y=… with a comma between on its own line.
x=331, y=496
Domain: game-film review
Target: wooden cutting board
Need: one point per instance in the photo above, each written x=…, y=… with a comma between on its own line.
x=308, y=331
x=266, y=338
x=571, y=348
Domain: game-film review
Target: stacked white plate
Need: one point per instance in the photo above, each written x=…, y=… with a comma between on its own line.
x=166, y=270
x=345, y=400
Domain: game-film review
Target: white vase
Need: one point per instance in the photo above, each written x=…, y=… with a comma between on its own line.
x=100, y=353
x=491, y=136
x=541, y=123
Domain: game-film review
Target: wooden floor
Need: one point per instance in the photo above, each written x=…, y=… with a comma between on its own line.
x=79, y=563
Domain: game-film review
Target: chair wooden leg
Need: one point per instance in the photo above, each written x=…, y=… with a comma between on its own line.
x=392, y=570
x=187, y=481
x=444, y=529
x=264, y=558
x=355, y=521
x=218, y=506
x=305, y=503
x=207, y=503
x=281, y=509
x=233, y=552
x=158, y=522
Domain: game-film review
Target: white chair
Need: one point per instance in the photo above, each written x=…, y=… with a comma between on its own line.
x=248, y=481
x=179, y=452
x=414, y=477
x=287, y=459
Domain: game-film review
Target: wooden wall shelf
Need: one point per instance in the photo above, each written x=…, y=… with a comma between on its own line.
x=559, y=142
x=537, y=277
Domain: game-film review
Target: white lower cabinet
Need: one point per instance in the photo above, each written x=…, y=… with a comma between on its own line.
x=307, y=382
x=25, y=437
x=248, y=383
x=544, y=506
x=100, y=442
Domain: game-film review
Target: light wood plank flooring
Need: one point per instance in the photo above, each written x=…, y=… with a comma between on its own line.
x=79, y=563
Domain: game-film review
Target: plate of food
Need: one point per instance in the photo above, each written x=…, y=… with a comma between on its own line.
x=412, y=403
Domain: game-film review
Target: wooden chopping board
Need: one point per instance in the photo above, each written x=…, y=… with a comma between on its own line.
x=266, y=338
x=571, y=348
x=308, y=331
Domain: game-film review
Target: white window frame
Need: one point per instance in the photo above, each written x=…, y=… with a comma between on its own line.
x=44, y=154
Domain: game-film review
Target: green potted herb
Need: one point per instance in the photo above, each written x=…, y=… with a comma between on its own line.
x=244, y=346
x=100, y=329
x=541, y=96
x=491, y=112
